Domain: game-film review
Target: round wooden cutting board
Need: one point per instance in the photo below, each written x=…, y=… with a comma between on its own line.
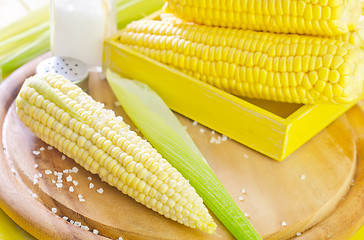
x=316, y=193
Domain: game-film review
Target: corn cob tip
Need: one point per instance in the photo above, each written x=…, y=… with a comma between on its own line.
x=65, y=117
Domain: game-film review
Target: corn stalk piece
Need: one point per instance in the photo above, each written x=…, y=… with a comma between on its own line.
x=62, y=115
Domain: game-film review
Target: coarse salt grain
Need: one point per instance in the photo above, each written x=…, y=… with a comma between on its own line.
x=65, y=171
x=224, y=138
x=117, y=104
x=284, y=224
x=71, y=189
x=59, y=185
x=41, y=149
x=212, y=132
x=36, y=152
x=95, y=231
x=100, y=190
x=65, y=218
x=69, y=178
x=194, y=123
x=53, y=181
x=303, y=177
x=298, y=234
x=54, y=210
x=91, y=185
x=79, y=196
x=202, y=130
x=81, y=200
x=120, y=238
x=63, y=157
x=246, y=155
x=241, y=198
x=75, y=182
x=49, y=147
x=247, y=215
x=89, y=178
x=243, y=191
x=72, y=222
x=36, y=165
x=75, y=170
x=78, y=224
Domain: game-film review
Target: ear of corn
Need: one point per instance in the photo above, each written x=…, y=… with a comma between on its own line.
x=62, y=115
x=279, y=67
x=154, y=119
x=328, y=17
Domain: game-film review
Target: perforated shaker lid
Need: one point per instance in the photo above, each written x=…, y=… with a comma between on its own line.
x=72, y=69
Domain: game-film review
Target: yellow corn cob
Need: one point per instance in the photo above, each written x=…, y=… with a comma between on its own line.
x=314, y=17
x=355, y=37
x=281, y=67
x=62, y=115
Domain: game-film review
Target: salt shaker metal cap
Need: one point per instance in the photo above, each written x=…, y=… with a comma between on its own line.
x=72, y=69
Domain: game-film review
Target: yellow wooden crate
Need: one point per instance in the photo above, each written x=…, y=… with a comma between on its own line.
x=274, y=129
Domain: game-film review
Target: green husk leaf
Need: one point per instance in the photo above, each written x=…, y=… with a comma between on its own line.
x=31, y=20
x=145, y=112
x=25, y=53
x=23, y=38
x=133, y=10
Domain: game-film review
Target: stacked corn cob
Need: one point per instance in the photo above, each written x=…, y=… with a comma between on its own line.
x=269, y=65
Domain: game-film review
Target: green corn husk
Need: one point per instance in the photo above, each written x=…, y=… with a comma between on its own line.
x=26, y=53
x=153, y=118
x=129, y=11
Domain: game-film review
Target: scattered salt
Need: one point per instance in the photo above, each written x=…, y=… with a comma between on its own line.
x=36, y=166
x=246, y=155
x=75, y=170
x=65, y=218
x=241, y=198
x=298, y=234
x=212, y=132
x=117, y=104
x=247, y=215
x=36, y=152
x=202, y=130
x=54, y=210
x=120, y=238
x=41, y=149
x=71, y=189
x=284, y=224
x=79, y=196
x=75, y=182
x=81, y=200
x=72, y=222
x=65, y=171
x=194, y=123
x=78, y=224
x=89, y=178
x=59, y=180
x=243, y=191
x=91, y=185
x=303, y=177
x=69, y=178
x=59, y=185
x=53, y=181
x=49, y=147
x=95, y=231
x=100, y=190
x=224, y=138
x=40, y=175
x=63, y=157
